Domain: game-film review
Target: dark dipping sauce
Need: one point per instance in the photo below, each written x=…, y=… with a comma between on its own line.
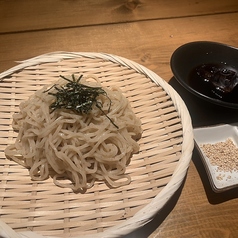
x=218, y=81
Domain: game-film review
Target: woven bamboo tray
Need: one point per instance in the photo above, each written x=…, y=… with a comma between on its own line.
x=41, y=209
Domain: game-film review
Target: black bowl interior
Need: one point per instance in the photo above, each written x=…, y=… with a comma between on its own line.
x=188, y=56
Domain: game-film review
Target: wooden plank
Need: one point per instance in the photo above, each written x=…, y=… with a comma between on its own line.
x=148, y=43
x=27, y=15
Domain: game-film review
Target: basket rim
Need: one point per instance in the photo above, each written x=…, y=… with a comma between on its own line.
x=147, y=213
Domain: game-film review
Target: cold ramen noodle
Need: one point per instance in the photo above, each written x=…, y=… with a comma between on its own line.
x=78, y=132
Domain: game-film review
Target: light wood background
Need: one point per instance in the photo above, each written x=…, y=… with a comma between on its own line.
x=147, y=32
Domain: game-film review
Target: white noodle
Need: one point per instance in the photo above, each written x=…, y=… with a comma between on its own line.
x=81, y=148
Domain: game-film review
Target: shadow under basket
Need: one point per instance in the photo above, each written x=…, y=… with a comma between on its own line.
x=40, y=208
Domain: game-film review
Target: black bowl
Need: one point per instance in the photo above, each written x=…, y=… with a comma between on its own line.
x=191, y=55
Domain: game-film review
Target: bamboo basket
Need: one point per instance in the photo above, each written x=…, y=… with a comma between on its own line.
x=41, y=209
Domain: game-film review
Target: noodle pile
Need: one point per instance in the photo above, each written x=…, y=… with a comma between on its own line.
x=76, y=149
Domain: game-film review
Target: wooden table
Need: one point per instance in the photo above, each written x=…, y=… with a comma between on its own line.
x=146, y=32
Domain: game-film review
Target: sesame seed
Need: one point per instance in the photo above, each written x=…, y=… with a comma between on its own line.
x=222, y=154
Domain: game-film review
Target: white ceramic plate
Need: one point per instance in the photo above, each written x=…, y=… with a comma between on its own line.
x=220, y=180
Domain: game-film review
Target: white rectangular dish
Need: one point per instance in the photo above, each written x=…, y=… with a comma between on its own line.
x=219, y=179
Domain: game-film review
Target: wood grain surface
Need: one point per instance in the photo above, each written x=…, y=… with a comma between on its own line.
x=146, y=32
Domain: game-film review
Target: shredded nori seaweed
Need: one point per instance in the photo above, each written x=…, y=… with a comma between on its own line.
x=78, y=97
